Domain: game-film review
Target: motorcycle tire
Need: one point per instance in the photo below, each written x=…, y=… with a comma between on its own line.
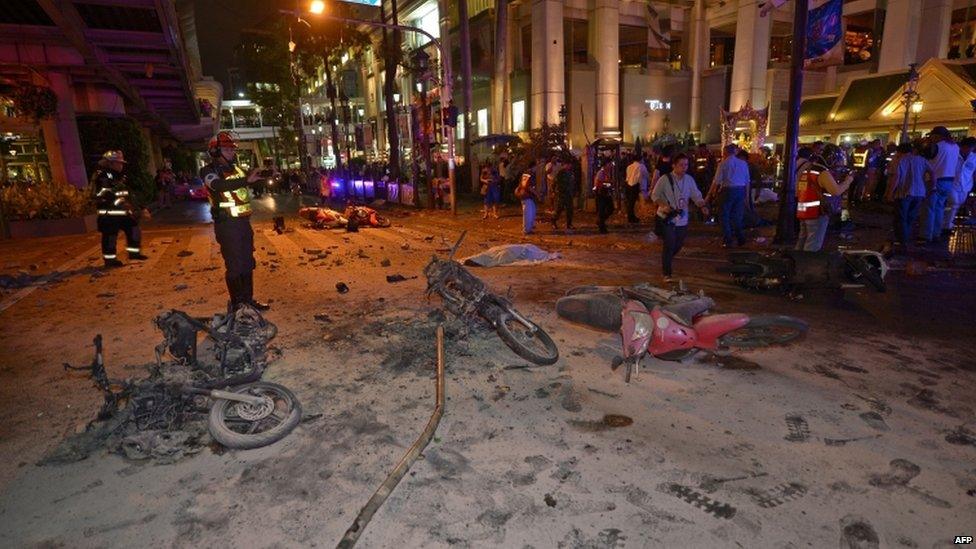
x=745, y=269
x=513, y=332
x=765, y=331
x=224, y=410
x=868, y=274
x=383, y=221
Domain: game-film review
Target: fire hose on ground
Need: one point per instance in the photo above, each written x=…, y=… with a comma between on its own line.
x=398, y=472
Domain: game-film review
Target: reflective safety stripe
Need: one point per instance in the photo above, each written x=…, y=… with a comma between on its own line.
x=814, y=172
x=803, y=206
x=122, y=193
x=112, y=212
x=109, y=256
x=104, y=190
x=119, y=201
x=227, y=204
x=238, y=210
x=136, y=250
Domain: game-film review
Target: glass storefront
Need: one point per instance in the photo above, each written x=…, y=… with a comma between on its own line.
x=23, y=159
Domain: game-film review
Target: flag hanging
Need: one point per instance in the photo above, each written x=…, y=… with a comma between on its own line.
x=825, y=34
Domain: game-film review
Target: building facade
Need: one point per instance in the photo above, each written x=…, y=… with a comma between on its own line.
x=133, y=59
x=636, y=68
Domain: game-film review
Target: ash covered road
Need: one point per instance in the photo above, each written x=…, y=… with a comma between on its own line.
x=862, y=433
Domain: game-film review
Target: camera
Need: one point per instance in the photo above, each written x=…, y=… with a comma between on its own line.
x=673, y=214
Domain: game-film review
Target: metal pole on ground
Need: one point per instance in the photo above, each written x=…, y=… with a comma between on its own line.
x=398, y=472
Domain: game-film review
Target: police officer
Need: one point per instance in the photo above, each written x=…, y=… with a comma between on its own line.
x=230, y=207
x=116, y=211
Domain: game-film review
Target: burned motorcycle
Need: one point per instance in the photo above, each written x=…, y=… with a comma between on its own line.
x=794, y=271
x=241, y=411
x=466, y=296
x=364, y=216
x=671, y=325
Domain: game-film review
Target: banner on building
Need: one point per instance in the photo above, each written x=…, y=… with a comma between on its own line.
x=825, y=34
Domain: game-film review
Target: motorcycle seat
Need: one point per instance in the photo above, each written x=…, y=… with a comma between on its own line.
x=686, y=312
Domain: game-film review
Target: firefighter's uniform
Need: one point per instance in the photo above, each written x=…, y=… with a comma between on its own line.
x=230, y=207
x=115, y=211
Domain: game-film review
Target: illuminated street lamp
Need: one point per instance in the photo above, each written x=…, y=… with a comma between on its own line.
x=317, y=7
x=909, y=97
x=916, y=110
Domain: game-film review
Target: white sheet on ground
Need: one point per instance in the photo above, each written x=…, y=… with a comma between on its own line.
x=510, y=254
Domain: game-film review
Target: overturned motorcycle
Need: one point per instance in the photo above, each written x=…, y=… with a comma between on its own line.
x=158, y=416
x=671, y=325
x=794, y=271
x=467, y=297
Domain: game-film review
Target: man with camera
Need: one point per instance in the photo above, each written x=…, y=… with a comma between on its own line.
x=672, y=193
x=818, y=196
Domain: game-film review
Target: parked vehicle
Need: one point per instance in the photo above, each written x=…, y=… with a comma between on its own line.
x=672, y=325
x=466, y=296
x=794, y=271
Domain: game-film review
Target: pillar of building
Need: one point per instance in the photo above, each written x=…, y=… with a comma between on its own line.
x=933, y=32
x=499, y=76
x=64, y=155
x=752, y=34
x=604, y=46
x=900, y=36
x=699, y=37
x=548, y=66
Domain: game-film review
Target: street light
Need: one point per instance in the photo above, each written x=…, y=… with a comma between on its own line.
x=916, y=110
x=317, y=7
x=909, y=97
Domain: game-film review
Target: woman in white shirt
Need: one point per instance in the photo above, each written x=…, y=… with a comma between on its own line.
x=672, y=193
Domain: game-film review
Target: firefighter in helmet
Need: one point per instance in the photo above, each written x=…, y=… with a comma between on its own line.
x=230, y=207
x=116, y=210
x=816, y=190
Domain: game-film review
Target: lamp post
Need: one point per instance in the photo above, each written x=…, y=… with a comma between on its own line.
x=909, y=97
x=318, y=8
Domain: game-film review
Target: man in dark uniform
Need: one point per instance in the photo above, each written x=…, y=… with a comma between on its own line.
x=230, y=207
x=116, y=211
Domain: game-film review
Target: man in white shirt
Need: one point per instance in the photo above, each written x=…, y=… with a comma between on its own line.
x=636, y=180
x=965, y=171
x=943, y=157
x=673, y=193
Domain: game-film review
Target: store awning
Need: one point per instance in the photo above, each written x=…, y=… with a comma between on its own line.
x=864, y=96
x=815, y=110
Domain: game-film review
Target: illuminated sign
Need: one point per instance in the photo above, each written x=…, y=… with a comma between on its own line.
x=374, y=3
x=657, y=105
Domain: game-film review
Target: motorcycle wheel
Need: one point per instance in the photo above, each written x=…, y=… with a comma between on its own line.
x=242, y=426
x=535, y=347
x=383, y=221
x=764, y=331
x=745, y=269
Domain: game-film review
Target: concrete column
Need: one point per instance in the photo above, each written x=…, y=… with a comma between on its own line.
x=498, y=104
x=751, y=56
x=933, y=33
x=511, y=37
x=604, y=46
x=61, y=139
x=548, y=67
x=900, y=35
x=698, y=61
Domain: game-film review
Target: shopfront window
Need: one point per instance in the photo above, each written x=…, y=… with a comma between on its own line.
x=633, y=45
x=483, y=122
x=780, y=49
x=859, y=38
x=962, y=33
x=575, y=41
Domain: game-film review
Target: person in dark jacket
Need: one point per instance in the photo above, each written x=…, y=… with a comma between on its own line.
x=116, y=210
x=230, y=207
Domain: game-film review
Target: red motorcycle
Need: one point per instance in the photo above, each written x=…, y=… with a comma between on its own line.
x=673, y=325
x=365, y=216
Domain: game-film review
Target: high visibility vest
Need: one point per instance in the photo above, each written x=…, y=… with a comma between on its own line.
x=235, y=203
x=808, y=195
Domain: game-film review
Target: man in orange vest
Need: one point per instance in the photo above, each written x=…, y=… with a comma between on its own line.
x=813, y=182
x=230, y=207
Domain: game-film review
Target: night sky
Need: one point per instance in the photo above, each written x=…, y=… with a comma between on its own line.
x=219, y=23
